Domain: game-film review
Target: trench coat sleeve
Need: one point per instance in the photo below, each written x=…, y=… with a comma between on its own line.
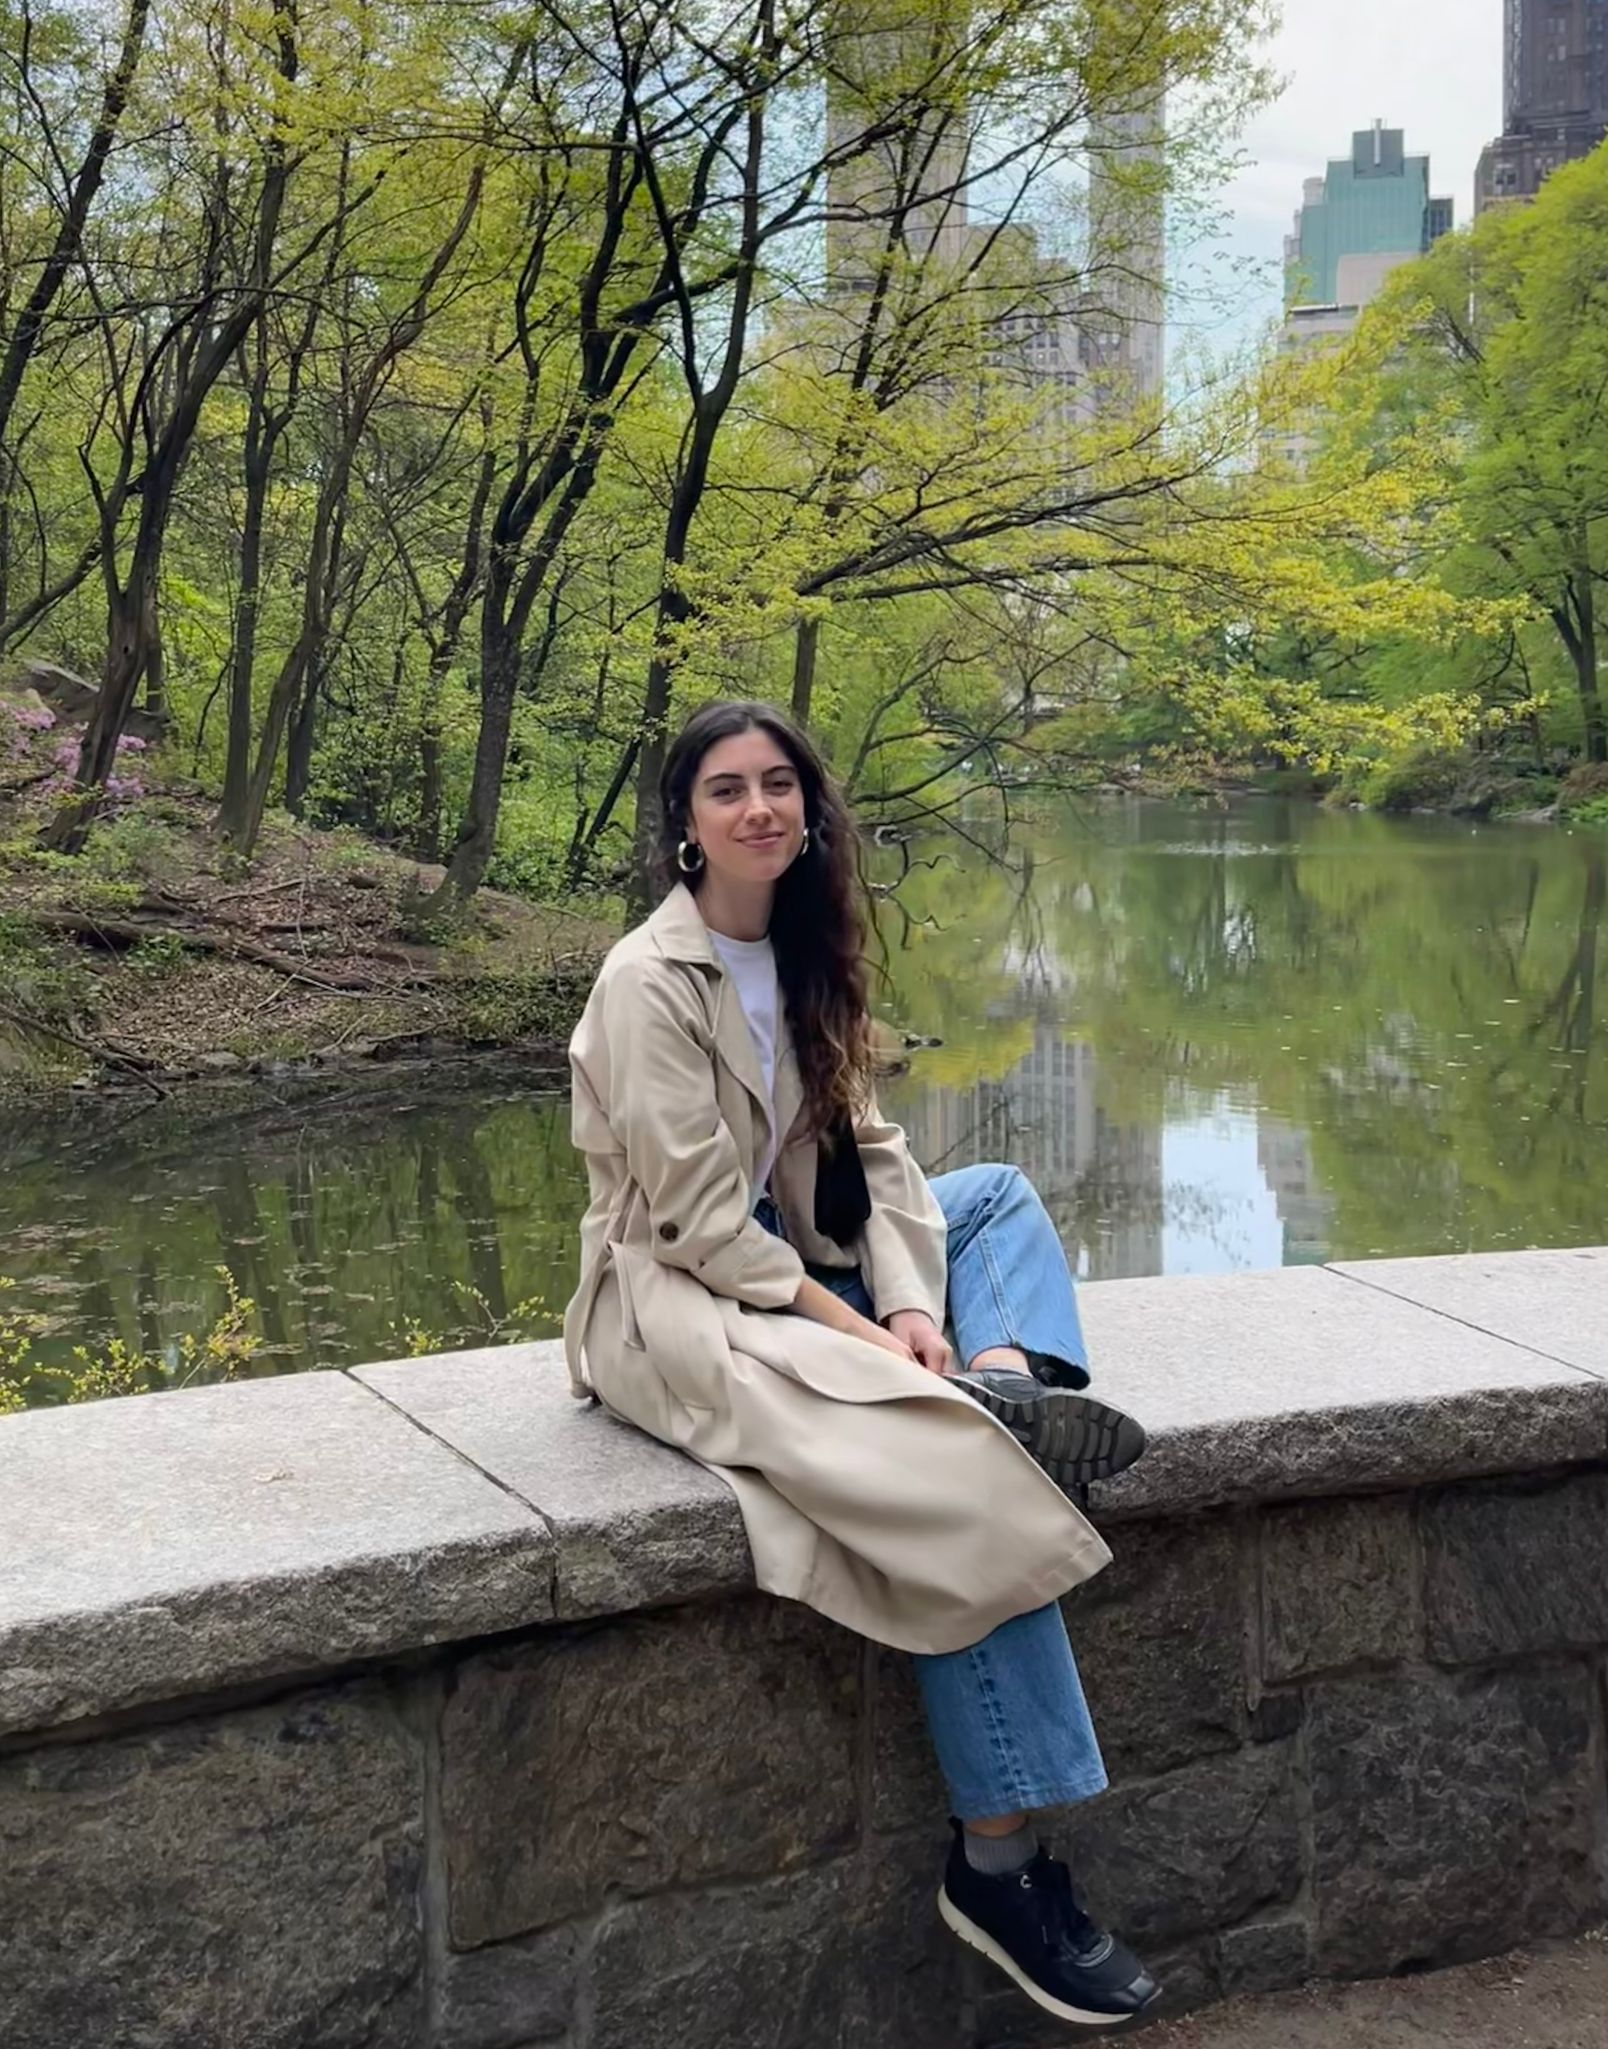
x=679, y=1150
x=904, y=1248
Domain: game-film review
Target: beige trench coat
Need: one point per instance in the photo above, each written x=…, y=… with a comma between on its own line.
x=872, y=1490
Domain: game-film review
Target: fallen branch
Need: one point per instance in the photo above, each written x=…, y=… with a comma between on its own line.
x=132, y=1063
x=125, y=932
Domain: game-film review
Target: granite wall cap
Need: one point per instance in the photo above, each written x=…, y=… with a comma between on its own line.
x=168, y=1544
x=1299, y=1381
x=1555, y=1303
x=634, y=1523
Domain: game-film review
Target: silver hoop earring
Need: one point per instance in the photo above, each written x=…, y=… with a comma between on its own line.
x=689, y=847
x=804, y=844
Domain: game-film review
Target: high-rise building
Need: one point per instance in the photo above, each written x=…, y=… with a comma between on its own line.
x=1080, y=335
x=1554, y=95
x=1125, y=318
x=1367, y=214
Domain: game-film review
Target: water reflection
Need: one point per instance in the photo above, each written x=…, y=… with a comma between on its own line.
x=1216, y=1039
x=1272, y=1034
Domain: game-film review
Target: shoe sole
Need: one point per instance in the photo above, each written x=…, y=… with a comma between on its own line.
x=1074, y=1439
x=975, y=1938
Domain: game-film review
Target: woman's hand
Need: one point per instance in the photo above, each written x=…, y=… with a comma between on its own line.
x=916, y=1330
x=874, y=1334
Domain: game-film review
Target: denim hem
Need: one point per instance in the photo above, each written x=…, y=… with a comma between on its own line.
x=1031, y=1801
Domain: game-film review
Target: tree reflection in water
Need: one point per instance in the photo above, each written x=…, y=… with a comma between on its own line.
x=1214, y=1037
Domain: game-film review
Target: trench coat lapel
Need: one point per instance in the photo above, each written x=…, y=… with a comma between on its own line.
x=789, y=1085
x=681, y=933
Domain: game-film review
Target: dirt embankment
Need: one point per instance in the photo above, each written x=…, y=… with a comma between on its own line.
x=157, y=958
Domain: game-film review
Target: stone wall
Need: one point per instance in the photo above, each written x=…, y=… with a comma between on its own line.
x=634, y=1805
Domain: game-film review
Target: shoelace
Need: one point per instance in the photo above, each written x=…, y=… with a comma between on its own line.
x=1066, y=1928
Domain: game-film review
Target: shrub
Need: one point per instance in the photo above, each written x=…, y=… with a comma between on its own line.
x=223, y=1354
x=1583, y=789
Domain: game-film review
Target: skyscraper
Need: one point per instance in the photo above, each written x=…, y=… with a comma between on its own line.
x=1367, y=214
x=1554, y=95
x=1083, y=337
x=1125, y=316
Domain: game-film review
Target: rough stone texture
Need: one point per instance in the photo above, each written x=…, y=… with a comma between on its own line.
x=661, y=1749
x=768, y=1967
x=511, y=1994
x=1159, y=1640
x=1449, y=1816
x=245, y=1881
x=1193, y=1852
x=1301, y=1382
x=907, y=1788
x=1508, y=1570
x=635, y=1523
x=1550, y=1302
x=1262, y=1956
x=172, y=1543
x=1337, y=1585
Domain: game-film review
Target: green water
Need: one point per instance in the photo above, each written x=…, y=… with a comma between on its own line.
x=1217, y=1038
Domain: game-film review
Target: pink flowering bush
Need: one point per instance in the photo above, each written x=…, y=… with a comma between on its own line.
x=20, y=728
x=18, y=725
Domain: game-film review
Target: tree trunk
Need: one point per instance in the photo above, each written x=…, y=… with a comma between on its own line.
x=805, y=644
x=1585, y=662
x=230, y=823
x=128, y=653
x=427, y=837
x=499, y=679
x=674, y=610
x=299, y=753
x=155, y=665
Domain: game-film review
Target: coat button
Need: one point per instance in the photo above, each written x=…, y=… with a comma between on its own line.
x=669, y=1233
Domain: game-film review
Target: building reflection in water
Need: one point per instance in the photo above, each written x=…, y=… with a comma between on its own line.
x=1207, y=1187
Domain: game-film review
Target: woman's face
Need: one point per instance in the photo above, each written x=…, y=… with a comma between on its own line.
x=747, y=809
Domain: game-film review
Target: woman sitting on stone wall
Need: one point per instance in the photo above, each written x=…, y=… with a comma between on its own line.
x=765, y=1278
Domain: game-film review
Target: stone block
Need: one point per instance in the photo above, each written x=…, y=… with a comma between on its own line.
x=1338, y=1585
x=649, y=1751
x=1301, y=1382
x=1264, y=1956
x=769, y=1966
x=909, y=1969
x=1516, y=1569
x=1159, y=1638
x=241, y=1881
x=1452, y=1817
x=173, y=1544
x=1196, y=1851
x=907, y=1788
x=1552, y=1303
x=635, y=1523
x=510, y=1994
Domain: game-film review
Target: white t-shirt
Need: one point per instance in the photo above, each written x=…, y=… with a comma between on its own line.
x=751, y=964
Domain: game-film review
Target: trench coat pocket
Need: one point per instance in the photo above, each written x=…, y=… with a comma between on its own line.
x=630, y=1322
x=674, y=1321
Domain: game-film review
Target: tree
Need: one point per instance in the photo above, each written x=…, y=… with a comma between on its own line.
x=1499, y=389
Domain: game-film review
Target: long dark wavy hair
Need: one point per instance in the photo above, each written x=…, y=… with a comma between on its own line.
x=818, y=923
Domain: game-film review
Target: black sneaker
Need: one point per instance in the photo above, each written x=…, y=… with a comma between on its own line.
x=1073, y=1437
x=1030, y=1924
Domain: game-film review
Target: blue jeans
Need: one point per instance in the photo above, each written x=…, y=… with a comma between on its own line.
x=1007, y=1715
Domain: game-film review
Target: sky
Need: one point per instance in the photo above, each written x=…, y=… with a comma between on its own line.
x=1431, y=67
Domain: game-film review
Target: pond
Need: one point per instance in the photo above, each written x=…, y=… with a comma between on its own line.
x=1217, y=1037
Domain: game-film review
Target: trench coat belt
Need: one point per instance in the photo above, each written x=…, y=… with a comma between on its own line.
x=581, y=1309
